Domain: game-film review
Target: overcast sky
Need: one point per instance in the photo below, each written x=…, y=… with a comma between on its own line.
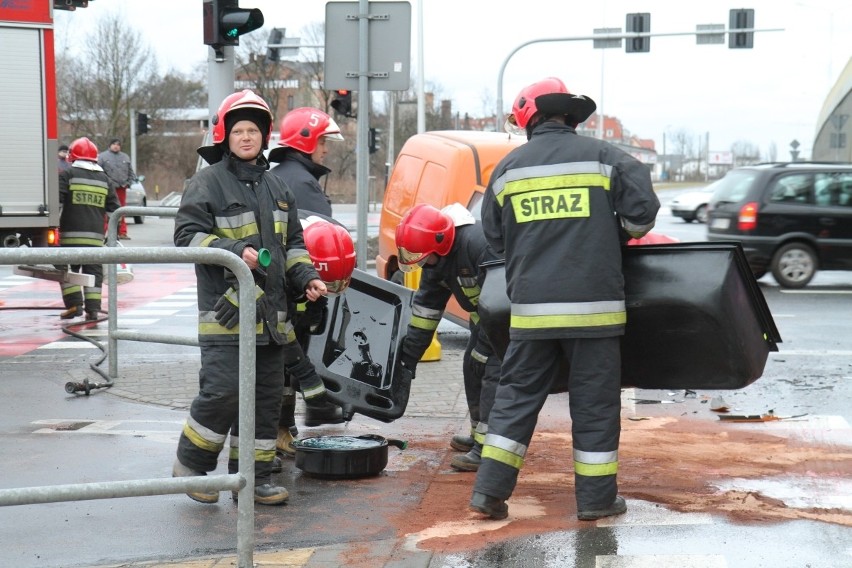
x=772, y=93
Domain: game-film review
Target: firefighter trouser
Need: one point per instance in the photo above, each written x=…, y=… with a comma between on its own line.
x=90, y=296
x=594, y=385
x=216, y=408
x=480, y=383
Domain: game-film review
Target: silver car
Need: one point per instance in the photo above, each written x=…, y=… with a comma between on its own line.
x=692, y=205
x=136, y=197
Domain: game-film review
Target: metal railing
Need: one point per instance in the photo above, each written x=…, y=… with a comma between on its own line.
x=113, y=333
x=242, y=481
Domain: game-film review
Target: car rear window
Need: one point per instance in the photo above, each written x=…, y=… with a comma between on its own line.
x=734, y=187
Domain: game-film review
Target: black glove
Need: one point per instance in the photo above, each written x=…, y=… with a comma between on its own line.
x=316, y=316
x=227, y=308
x=304, y=374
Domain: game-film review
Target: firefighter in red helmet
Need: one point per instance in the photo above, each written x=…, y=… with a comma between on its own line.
x=450, y=247
x=560, y=207
x=332, y=252
x=86, y=195
x=301, y=153
x=236, y=205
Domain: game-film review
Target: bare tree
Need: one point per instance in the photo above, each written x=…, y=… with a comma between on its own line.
x=99, y=88
x=745, y=153
x=114, y=75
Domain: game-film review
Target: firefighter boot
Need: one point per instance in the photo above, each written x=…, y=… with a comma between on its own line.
x=267, y=494
x=71, y=313
x=180, y=470
x=618, y=507
x=469, y=461
x=462, y=443
x=488, y=505
x=277, y=464
x=284, y=443
x=318, y=413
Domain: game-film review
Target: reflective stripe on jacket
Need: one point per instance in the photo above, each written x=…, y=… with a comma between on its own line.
x=86, y=196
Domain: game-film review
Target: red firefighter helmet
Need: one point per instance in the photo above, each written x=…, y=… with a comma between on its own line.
x=302, y=127
x=549, y=96
x=422, y=231
x=332, y=251
x=82, y=149
x=244, y=100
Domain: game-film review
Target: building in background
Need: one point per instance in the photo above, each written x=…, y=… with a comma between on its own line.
x=833, y=140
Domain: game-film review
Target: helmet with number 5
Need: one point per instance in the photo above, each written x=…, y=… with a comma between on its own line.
x=331, y=250
x=301, y=128
x=82, y=149
x=551, y=97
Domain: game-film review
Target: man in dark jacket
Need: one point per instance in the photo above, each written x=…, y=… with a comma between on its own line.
x=560, y=207
x=237, y=206
x=450, y=248
x=120, y=172
x=301, y=152
x=86, y=196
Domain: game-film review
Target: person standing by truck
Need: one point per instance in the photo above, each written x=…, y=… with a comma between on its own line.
x=118, y=168
x=560, y=207
x=85, y=195
x=62, y=158
x=450, y=247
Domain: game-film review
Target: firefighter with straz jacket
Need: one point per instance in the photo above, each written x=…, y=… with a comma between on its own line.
x=86, y=196
x=560, y=207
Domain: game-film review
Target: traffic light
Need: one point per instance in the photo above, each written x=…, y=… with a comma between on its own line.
x=641, y=23
x=276, y=36
x=225, y=22
x=70, y=5
x=373, y=140
x=741, y=20
x=141, y=123
x=342, y=103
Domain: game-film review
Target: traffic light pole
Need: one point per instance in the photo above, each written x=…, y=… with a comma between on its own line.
x=220, y=78
x=628, y=35
x=362, y=168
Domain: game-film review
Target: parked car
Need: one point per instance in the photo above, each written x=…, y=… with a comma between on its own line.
x=692, y=205
x=791, y=218
x=136, y=197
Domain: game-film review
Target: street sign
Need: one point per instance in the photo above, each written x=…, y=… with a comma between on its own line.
x=709, y=39
x=389, y=46
x=606, y=43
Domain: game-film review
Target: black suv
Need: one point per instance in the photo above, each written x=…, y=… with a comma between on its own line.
x=791, y=218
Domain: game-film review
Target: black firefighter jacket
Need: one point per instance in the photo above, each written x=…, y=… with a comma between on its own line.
x=458, y=274
x=556, y=207
x=231, y=205
x=86, y=196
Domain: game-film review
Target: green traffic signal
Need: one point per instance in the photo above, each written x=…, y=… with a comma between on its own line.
x=225, y=22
